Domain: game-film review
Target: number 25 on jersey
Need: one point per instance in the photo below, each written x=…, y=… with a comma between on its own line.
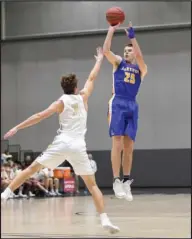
x=129, y=77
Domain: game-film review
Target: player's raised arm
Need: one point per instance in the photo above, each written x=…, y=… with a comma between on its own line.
x=88, y=88
x=137, y=51
x=55, y=107
x=111, y=57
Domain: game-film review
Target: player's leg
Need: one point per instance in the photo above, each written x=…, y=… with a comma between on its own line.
x=129, y=139
x=127, y=165
x=116, y=131
x=20, y=179
x=50, y=158
x=117, y=146
x=82, y=167
x=98, y=199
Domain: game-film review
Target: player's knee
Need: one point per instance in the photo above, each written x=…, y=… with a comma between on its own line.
x=90, y=182
x=117, y=143
x=33, y=168
x=128, y=147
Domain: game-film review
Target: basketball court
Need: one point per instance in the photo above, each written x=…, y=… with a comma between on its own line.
x=149, y=215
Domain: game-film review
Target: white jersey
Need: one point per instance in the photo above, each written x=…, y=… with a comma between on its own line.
x=73, y=119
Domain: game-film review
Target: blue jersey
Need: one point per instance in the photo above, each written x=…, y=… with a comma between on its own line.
x=126, y=80
x=123, y=108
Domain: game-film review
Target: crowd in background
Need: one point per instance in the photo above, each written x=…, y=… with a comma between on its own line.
x=42, y=183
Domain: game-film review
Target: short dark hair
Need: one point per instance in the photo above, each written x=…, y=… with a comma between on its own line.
x=69, y=83
x=129, y=44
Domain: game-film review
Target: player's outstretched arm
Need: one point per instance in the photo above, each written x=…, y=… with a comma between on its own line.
x=55, y=107
x=138, y=54
x=111, y=57
x=89, y=85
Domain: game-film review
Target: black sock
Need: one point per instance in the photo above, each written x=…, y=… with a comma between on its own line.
x=126, y=178
x=116, y=178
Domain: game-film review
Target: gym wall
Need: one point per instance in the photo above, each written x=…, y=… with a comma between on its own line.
x=55, y=17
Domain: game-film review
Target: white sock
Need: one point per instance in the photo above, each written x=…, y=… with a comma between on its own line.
x=56, y=190
x=103, y=216
x=7, y=192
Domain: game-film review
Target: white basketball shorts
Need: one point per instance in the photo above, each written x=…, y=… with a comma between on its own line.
x=70, y=149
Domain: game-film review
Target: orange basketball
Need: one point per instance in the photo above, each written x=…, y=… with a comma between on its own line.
x=115, y=15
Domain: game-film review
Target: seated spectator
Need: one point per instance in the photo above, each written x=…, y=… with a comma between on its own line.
x=51, y=183
x=37, y=182
x=26, y=189
x=32, y=185
x=4, y=177
x=5, y=156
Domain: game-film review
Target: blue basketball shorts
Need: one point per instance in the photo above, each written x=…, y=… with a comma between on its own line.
x=123, y=117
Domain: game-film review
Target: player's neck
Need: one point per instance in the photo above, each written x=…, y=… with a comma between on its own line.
x=130, y=62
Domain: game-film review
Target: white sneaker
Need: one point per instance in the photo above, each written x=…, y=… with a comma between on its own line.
x=52, y=193
x=15, y=195
x=118, y=189
x=58, y=194
x=4, y=197
x=108, y=226
x=11, y=196
x=127, y=190
x=22, y=195
x=31, y=194
x=6, y=194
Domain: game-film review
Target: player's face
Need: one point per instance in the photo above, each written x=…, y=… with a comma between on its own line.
x=128, y=54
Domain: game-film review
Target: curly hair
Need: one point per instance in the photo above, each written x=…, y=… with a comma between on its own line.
x=69, y=83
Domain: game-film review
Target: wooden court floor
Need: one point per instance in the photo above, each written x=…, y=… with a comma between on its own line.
x=149, y=215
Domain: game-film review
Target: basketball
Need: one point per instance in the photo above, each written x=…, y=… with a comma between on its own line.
x=115, y=15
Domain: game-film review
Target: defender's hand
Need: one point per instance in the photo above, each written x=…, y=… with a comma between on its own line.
x=99, y=55
x=10, y=133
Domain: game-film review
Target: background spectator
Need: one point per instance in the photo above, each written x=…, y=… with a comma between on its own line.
x=7, y=176
x=26, y=189
x=37, y=181
x=51, y=183
x=5, y=156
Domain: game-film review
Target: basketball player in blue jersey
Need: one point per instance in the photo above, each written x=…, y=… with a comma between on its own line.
x=128, y=73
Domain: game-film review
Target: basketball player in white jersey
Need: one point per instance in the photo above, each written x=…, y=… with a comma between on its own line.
x=70, y=142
